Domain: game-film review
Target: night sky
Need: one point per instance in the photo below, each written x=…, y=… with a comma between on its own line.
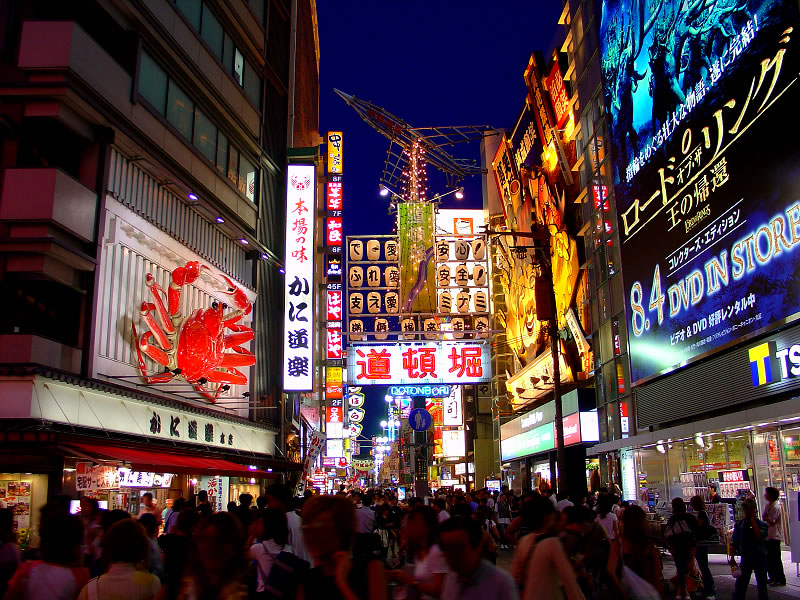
x=431, y=63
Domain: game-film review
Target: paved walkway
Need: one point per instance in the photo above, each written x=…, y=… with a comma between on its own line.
x=722, y=576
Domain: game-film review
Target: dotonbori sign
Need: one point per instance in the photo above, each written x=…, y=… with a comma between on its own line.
x=298, y=315
x=407, y=363
x=427, y=391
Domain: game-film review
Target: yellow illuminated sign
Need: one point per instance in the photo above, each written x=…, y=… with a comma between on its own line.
x=334, y=152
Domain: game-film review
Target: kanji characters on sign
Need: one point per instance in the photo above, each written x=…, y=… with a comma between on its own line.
x=415, y=362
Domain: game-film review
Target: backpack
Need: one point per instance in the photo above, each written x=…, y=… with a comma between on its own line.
x=284, y=576
x=679, y=533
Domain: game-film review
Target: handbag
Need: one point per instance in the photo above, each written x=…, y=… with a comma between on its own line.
x=636, y=587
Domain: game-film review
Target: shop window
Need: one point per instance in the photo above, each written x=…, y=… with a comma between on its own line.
x=211, y=32
x=676, y=464
x=152, y=83
x=606, y=341
x=617, y=292
x=622, y=375
x=651, y=475
x=205, y=135
x=278, y=42
x=790, y=446
x=180, y=110
x=599, y=263
x=604, y=300
x=192, y=10
x=222, y=152
x=612, y=255
x=619, y=338
x=610, y=381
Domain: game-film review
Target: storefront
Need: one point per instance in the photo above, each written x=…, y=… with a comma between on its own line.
x=749, y=440
x=528, y=442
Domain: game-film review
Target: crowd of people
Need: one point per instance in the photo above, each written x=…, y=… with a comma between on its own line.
x=367, y=545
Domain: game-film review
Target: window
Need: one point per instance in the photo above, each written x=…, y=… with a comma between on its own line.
x=227, y=53
x=222, y=152
x=211, y=32
x=191, y=9
x=179, y=110
x=247, y=178
x=252, y=85
x=152, y=83
x=205, y=135
x=257, y=6
x=233, y=164
x=238, y=66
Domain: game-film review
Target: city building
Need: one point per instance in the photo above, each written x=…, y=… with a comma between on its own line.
x=147, y=139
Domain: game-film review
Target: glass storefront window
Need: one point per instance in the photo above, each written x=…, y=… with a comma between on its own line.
x=651, y=476
x=676, y=464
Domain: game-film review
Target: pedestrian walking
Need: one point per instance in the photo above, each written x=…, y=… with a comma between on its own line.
x=634, y=559
x=706, y=537
x=773, y=517
x=148, y=506
x=606, y=516
x=424, y=577
x=503, y=519
x=681, y=537
x=749, y=542
x=278, y=569
x=10, y=555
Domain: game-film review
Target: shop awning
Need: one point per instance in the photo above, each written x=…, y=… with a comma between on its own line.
x=160, y=461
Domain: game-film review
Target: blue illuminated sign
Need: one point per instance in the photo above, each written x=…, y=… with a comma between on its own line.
x=706, y=174
x=428, y=391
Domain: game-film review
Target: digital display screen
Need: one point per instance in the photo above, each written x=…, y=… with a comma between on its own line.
x=701, y=98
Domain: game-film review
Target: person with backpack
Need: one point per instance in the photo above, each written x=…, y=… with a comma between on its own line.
x=278, y=569
x=681, y=536
x=708, y=536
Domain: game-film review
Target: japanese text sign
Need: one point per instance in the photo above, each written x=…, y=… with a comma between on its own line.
x=334, y=422
x=706, y=161
x=333, y=193
x=452, y=408
x=299, y=279
x=333, y=231
x=334, y=305
x=558, y=94
x=334, y=342
x=541, y=110
x=414, y=362
x=334, y=152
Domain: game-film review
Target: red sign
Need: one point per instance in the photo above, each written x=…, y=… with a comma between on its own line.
x=333, y=414
x=334, y=390
x=333, y=196
x=333, y=231
x=558, y=94
x=541, y=109
x=334, y=305
x=732, y=476
x=572, y=429
x=334, y=337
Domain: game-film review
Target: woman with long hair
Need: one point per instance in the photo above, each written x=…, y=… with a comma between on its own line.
x=329, y=532
x=635, y=550
x=606, y=516
x=681, y=537
x=707, y=535
x=425, y=576
x=218, y=565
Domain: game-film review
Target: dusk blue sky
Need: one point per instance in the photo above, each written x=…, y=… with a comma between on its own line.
x=431, y=63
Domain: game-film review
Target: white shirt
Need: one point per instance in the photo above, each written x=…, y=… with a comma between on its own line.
x=773, y=513
x=366, y=519
x=296, y=536
x=264, y=554
x=562, y=504
x=608, y=523
x=428, y=567
x=443, y=516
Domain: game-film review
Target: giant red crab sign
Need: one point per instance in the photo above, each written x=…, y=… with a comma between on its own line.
x=195, y=348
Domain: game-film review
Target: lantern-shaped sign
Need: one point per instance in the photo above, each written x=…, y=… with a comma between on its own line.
x=373, y=276
x=356, y=276
x=356, y=399
x=392, y=300
x=442, y=251
x=356, y=303
x=356, y=250
x=391, y=276
x=355, y=430
x=480, y=301
x=478, y=249
x=373, y=250
x=356, y=415
x=462, y=302
x=356, y=330
x=381, y=329
x=482, y=327
x=445, y=302
x=479, y=274
x=462, y=250
x=430, y=325
x=462, y=275
x=390, y=250
x=408, y=325
x=443, y=275
x=374, y=302
x=458, y=327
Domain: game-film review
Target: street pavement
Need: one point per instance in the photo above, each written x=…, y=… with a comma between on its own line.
x=722, y=576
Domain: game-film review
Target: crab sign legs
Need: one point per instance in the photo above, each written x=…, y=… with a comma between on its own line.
x=203, y=348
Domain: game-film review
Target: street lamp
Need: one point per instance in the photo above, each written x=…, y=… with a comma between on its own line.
x=460, y=193
x=384, y=191
x=384, y=424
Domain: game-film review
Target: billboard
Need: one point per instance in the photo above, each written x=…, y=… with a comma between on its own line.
x=334, y=152
x=407, y=363
x=701, y=98
x=298, y=307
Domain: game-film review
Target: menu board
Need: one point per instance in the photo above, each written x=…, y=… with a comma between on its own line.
x=16, y=495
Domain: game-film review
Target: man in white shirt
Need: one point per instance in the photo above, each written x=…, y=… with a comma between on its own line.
x=773, y=517
x=563, y=502
x=440, y=505
x=365, y=516
x=279, y=496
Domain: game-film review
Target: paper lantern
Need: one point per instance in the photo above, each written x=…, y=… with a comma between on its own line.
x=479, y=275
x=430, y=325
x=481, y=327
x=373, y=250
x=381, y=329
x=443, y=275
x=374, y=302
x=442, y=251
x=445, y=302
x=392, y=301
x=373, y=276
x=478, y=249
x=408, y=325
x=356, y=303
x=462, y=275
x=355, y=276
x=462, y=250
x=458, y=327
x=356, y=250
x=391, y=276
x=462, y=302
x=390, y=250
x=356, y=329
x=480, y=301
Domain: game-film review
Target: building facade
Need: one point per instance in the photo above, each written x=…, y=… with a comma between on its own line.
x=140, y=139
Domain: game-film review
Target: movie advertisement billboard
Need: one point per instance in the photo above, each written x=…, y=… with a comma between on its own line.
x=701, y=98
